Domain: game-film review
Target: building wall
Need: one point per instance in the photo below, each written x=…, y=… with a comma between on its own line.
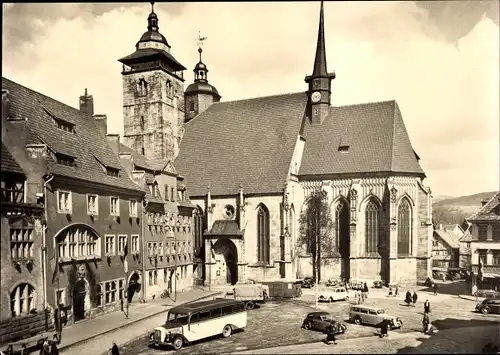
x=104, y=267
x=443, y=256
x=201, y=103
x=163, y=114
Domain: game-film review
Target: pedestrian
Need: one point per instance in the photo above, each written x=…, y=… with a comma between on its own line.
x=53, y=349
x=396, y=292
x=426, y=322
x=390, y=291
x=330, y=334
x=435, y=289
x=408, y=299
x=114, y=349
x=427, y=306
x=384, y=328
x=365, y=288
x=357, y=297
x=363, y=297
x=414, y=298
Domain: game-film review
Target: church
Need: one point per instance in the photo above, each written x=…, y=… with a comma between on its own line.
x=251, y=166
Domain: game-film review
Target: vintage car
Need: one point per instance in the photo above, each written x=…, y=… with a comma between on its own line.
x=333, y=283
x=377, y=284
x=360, y=314
x=308, y=282
x=333, y=294
x=357, y=285
x=491, y=294
x=489, y=305
x=320, y=321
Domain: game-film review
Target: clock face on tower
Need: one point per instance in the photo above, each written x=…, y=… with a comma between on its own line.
x=316, y=96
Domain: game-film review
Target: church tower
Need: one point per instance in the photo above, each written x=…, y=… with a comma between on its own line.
x=320, y=81
x=200, y=94
x=153, y=96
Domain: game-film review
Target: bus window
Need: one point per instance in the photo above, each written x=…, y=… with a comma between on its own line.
x=177, y=317
x=227, y=310
x=195, y=318
x=204, y=315
x=217, y=312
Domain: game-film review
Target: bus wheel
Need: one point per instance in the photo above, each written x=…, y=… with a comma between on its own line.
x=226, y=332
x=177, y=343
x=249, y=305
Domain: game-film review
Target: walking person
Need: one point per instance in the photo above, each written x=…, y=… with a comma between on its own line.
x=114, y=349
x=427, y=306
x=396, y=292
x=384, y=328
x=390, y=291
x=435, y=289
x=408, y=299
x=426, y=322
x=330, y=336
x=414, y=298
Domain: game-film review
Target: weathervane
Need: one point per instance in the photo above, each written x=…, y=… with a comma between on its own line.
x=200, y=40
x=152, y=6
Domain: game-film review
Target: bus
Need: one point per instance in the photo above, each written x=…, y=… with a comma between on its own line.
x=196, y=321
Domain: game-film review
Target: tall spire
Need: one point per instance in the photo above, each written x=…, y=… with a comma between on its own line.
x=153, y=19
x=319, y=69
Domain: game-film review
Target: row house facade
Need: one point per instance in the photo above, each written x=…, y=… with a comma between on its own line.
x=92, y=209
x=485, y=244
x=446, y=248
x=168, y=255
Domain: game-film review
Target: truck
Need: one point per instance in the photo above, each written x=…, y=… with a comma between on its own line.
x=250, y=294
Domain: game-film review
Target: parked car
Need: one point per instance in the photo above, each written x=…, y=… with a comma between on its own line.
x=333, y=294
x=489, y=306
x=321, y=320
x=488, y=294
x=333, y=283
x=357, y=285
x=359, y=314
x=308, y=282
x=377, y=284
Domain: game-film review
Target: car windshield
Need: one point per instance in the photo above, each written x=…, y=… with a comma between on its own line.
x=177, y=318
x=380, y=311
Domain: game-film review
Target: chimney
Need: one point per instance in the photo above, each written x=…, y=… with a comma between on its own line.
x=102, y=123
x=87, y=104
x=484, y=201
x=114, y=142
x=5, y=104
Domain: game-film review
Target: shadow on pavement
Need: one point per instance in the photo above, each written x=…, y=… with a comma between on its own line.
x=457, y=336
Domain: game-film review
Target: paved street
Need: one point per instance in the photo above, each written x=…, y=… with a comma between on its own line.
x=279, y=324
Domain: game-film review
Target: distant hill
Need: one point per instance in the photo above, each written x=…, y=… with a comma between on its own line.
x=456, y=209
x=438, y=198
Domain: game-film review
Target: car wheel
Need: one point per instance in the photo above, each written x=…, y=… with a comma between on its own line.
x=249, y=306
x=177, y=343
x=226, y=332
x=357, y=320
x=307, y=325
x=485, y=310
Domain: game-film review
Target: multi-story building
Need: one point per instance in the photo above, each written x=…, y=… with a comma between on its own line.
x=92, y=208
x=485, y=244
x=167, y=229
x=445, y=248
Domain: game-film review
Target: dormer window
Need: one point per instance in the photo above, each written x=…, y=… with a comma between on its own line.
x=155, y=192
x=344, y=145
x=63, y=125
x=112, y=172
x=65, y=160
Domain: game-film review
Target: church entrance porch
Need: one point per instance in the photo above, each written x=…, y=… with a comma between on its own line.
x=224, y=262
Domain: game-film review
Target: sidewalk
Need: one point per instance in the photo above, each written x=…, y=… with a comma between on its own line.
x=110, y=327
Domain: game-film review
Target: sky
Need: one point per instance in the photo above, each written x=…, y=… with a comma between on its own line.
x=439, y=60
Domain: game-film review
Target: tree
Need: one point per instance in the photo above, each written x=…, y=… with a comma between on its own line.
x=316, y=232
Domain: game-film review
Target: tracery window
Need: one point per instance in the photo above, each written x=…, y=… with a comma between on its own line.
x=404, y=228
x=263, y=234
x=78, y=242
x=198, y=229
x=372, y=226
x=22, y=300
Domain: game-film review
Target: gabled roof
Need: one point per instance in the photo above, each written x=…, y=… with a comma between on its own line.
x=227, y=228
x=467, y=237
x=248, y=142
x=8, y=163
x=490, y=211
x=447, y=237
x=377, y=137
x=85, y=144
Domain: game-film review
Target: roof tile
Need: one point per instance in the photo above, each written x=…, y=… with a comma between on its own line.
x=490, y=211
x=8, y=163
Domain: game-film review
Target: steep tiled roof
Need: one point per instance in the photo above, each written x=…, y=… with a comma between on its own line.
x=490, y=211
x=8, y=162
x=85, y=144
x=221, y=227
x=247, y=142
x=447, y=237
x=138, y=159
x=375, y=133
x=467, y=237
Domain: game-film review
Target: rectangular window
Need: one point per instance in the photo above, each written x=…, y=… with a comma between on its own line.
x=167, y=248
x=110, y=244
x=135, y=244
x=92, y=205
x=496, y=257
x=172, y=194
x=150, y=249
x=150, y=277
x=121, y=287
x=71, y=243
x=108, y=292
x=468, y=245
x=113, y=291
x=122, y=241
x=132, y=208
x=155, y=277
x=61, y=296
x=21, y=244
x=114, y=206
x=98, y=295
x=166, y=193
x=13, y=191
x=64, y=204
x=112, y=172
x=482, y=231
x=496, y=233
x=160, y=249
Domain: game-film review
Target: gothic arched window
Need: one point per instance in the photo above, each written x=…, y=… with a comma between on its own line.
x=22, y=300
x=341, y=223
x=372, y=226
x=78, y=241
x=404, y=228
x=263, y=234
x=198, y=229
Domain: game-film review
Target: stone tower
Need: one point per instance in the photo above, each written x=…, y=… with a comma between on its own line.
x=320, y=81
x=200, y=94
x=153, y=96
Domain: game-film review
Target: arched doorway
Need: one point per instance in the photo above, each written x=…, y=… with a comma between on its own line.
x=134, y=287
x=344, y=238
x=80, y=293
x=226, y=256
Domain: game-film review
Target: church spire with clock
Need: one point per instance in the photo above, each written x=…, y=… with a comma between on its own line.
x=320, y=81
